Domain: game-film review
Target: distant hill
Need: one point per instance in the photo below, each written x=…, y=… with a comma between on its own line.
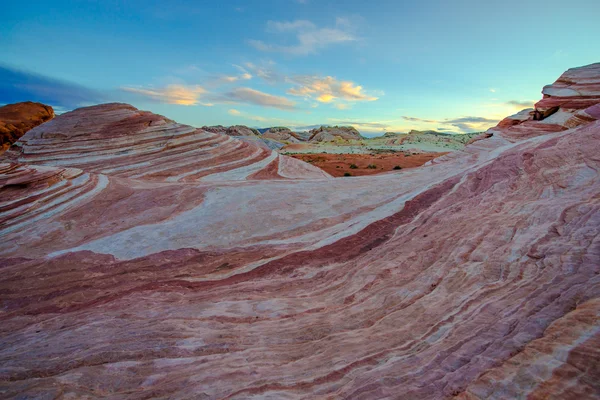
x=331, y=133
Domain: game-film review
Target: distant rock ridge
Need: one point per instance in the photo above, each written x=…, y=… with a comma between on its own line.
x=16, y=119
x=234, y=130
x=282, y=134
x=331, y=133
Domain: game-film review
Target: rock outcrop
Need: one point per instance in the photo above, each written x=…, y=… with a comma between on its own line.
x=331, y=133
x=16, y=119
x=234, y=130
x=119, y=140
x=282, y=134
x=475, y=276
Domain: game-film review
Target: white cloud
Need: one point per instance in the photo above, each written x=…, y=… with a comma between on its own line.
x=252, y=96
x=233, y=111
x=310, y=38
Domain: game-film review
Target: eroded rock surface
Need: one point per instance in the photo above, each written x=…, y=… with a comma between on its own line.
x=122, y=141
x=282, y=134
x=331, y=133
x=475, y=276
x=16, y=119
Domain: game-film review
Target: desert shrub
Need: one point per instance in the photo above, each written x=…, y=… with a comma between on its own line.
x=347, y=174
x=372, y=166
x=397, y=167
x=353, y=166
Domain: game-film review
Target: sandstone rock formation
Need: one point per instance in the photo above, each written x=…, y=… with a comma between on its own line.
x=331, y=133
x=475, y=276
x=234, y=130
x=16, y=119
x=122, y=141
x=282, y=134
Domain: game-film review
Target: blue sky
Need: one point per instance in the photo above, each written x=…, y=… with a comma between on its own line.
x=381, y=65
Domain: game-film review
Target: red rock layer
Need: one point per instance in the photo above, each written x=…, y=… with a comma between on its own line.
x=475, y=276
x=576, y=89
x=16, y=119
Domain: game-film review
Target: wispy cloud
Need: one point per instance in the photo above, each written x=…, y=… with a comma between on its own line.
x=234, y=112
x=310, y=38
x=415, y=119
x=256, y=97
x=266, y=72
x=471, y=124
x=172, y=94
x=520, y=104
x=18, y=85
x=365, y=126
x=342, y=106
x=464, y=124
x=234, y=78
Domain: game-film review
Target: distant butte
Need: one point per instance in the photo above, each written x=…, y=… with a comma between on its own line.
x=141, y=258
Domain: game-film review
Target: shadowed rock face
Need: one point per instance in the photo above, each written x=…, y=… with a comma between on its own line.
x=475, y=276
x=16, y=119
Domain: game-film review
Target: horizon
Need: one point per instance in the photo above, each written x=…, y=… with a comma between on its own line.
x=294, y=63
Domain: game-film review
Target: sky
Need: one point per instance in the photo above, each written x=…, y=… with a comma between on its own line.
x=451, y=66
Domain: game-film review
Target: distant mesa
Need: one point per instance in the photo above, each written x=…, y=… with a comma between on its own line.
x=16, y=119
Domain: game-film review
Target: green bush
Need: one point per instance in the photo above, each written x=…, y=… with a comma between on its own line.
x=372, y=166
x=347, y=174
x=353, y=166
x=397, y=167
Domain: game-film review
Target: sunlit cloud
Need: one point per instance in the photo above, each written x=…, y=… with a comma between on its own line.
x=342, y=106
x=463, y=124
x=365, y=126
x=171, y=94
x=310, y=38
x=325, y=98
x=256, y=97
x=492, y=90
x=234, y=112
x=327, y=89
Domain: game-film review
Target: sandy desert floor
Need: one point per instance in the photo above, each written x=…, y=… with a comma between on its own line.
x=339, y=164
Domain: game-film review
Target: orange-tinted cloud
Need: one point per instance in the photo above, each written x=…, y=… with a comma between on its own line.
x=171, y=94
x=327, y=89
